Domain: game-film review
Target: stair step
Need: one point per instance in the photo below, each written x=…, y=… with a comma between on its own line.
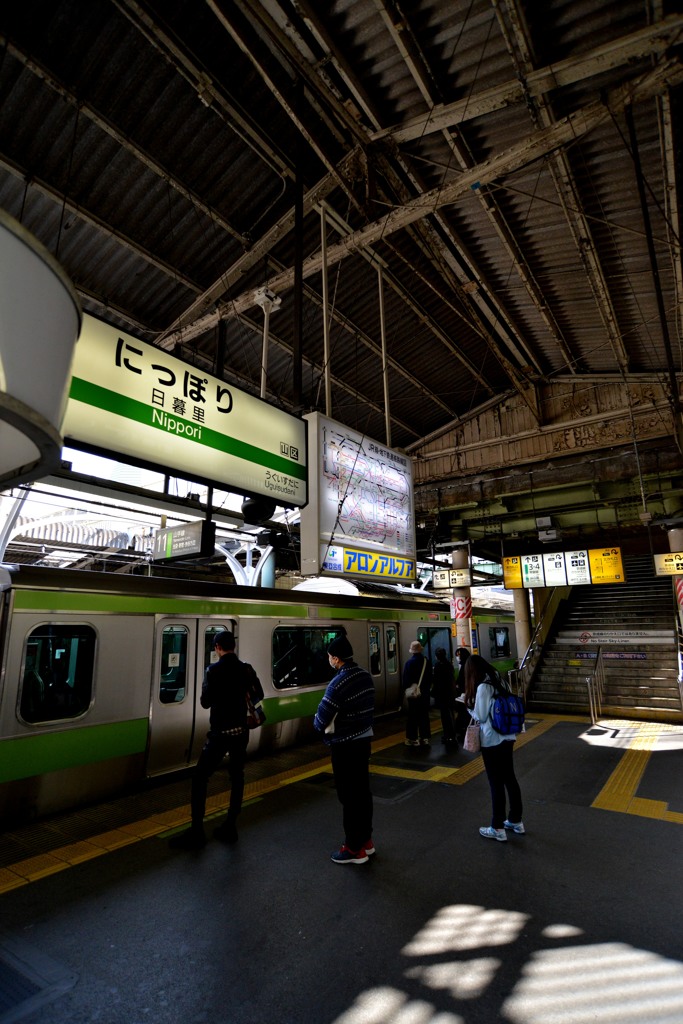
x=633, y=625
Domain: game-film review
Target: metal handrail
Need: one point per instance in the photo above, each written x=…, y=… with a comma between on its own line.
x=595, y=685
x=533, y=651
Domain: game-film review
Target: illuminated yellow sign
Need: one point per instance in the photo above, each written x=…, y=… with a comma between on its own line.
x=598, y=565
x=512, y=573
x=354, y=562
x=670, y=564
x=605, y=565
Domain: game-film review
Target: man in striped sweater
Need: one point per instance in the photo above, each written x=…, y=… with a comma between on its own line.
x=344, y=717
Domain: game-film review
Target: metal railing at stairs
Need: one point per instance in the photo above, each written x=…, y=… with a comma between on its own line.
x=595, y=684
x=520, y=678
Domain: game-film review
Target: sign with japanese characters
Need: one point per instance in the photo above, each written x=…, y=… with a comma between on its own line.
x=669, y=564
x=605, y=565
x=140, y=402
x=186, y=541
x=597, y=565
x=352, y=562
x=447, y=579
x=359, y=521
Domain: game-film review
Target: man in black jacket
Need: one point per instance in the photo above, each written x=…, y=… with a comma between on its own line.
x=224, y=691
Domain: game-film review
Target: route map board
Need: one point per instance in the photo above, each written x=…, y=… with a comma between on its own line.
x=359, y=520
x=562, y=568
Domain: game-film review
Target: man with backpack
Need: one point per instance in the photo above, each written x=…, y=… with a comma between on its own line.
x=224, y=690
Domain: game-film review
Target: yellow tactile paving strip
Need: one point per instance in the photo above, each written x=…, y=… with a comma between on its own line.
x=619, y=794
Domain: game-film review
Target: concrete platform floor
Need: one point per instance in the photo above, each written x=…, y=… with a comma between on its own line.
x=578, y=921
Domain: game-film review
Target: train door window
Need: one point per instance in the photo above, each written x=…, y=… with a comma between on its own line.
x=392, y=650
x=57, y=674
x=210, y=634
x=374, y=635
x=432, y=637
x=499, y=638
x=172, y=679
x=300, y=656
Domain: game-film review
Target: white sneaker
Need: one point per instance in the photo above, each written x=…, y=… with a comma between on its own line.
x=494, y=833
x=515, y=826
x=412, y=743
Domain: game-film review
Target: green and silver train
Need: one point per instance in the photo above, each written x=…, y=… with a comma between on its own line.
x=100, y=674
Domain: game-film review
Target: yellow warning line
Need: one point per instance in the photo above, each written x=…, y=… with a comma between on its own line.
x=619, y=792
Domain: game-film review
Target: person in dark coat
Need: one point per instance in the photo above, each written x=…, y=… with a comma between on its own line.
x=224, y=691
x=417, y=671
x=443, y=689
x=344, y=718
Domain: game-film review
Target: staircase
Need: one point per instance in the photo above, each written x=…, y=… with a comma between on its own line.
x=633, y=625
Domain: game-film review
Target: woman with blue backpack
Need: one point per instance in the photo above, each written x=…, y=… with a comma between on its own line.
x=489, y=701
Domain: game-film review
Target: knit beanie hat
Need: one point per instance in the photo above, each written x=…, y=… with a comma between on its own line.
x=341, y=648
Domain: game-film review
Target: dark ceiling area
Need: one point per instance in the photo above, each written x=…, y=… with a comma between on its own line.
x=468, y=211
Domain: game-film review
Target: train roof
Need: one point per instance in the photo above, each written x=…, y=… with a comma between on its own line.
x=42, y=578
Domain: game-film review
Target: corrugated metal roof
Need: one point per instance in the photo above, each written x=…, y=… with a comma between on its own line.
x=154, y=147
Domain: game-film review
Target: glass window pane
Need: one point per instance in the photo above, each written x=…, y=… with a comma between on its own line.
x=392, y=650
x=300, y=656
x=57, y=675
x=210, y=634
x=432, y=637
x=375, y=651
x=173, y=677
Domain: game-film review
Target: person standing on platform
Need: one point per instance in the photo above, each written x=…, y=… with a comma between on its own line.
x=417, y=676
x=462, y=715
x=444, y=694
x=344, y=717
x=496, y=751
x=224, y=691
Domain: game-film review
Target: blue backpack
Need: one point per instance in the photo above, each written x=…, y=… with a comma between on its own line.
x=507, y=710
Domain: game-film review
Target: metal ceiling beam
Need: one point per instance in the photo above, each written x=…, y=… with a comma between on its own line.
x=404, y=39
x=124, y=141
x=565, y=184
x=652, y=41
x=87, y=217
x=191, y=321
x=538, y=145
x=210, y=93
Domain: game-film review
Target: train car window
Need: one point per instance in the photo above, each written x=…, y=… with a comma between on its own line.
x=57, y=674
x=375, y=650
x=392, y=650
x=172, y=680
x=210, y=634
x=499, y=639
x=432, y=637
x=300, y=656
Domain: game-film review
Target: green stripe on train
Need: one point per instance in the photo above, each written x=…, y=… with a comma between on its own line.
x=297, y=704
x=42, y=752
x=61, y=601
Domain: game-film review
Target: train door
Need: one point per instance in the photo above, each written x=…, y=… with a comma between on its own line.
x=383, y=665
x=183, y=649
x=432, y=637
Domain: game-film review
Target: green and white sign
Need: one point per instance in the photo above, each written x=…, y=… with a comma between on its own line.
x=134, y=400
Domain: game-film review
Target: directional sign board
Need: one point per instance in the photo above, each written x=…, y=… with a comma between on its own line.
x=562, y=568
x=191, y=540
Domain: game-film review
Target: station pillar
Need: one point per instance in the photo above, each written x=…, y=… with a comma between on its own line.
x=676, y=544
x=522, y=621
x=461, y=601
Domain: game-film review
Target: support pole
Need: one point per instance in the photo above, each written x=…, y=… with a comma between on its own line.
x=385, y=362
x=326, y=315
x=268, y=301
